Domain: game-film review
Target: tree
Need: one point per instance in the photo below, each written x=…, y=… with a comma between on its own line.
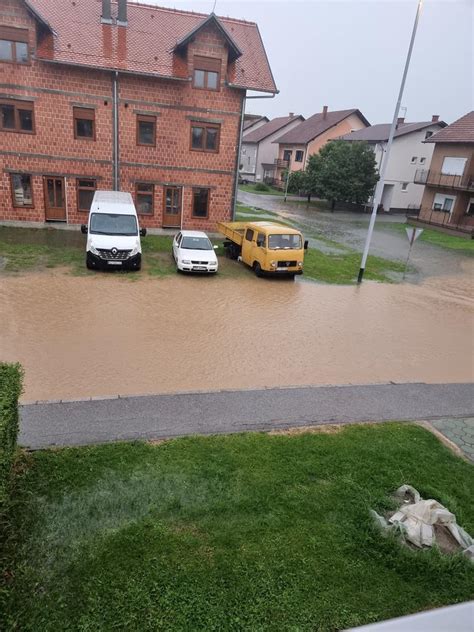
x=303, y=182
x=344, y=172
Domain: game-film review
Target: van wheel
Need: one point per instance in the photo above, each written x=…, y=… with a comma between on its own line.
x=257, y=268
x=90, y=265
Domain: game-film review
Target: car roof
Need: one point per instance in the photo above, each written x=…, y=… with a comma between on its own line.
x=273, y=228
x=193, y=233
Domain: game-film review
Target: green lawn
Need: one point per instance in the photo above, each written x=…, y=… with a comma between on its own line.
x=249, y=531
x=250, y=188
x=437, y=238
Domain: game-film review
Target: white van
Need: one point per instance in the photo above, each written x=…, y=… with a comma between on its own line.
x=113, y=234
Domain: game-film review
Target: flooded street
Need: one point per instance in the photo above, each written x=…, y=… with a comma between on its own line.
x=105, y=335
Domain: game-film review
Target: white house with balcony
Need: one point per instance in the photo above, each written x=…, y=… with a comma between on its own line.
x=408, y=154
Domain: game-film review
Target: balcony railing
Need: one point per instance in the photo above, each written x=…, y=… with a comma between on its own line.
x=447, y=181
x=281, y=164
x=443, y=219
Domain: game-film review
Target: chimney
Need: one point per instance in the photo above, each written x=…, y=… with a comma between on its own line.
x=400, y=120
x=122, y=13
x=106, y=17
x=291, y=114
x=325, y=111
x=435, y=118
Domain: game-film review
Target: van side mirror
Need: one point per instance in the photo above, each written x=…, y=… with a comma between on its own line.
x=142, y=232
x=306, y=245
x=84, y=229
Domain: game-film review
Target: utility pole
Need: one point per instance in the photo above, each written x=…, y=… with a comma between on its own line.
x=287, y=179
x=380, y=184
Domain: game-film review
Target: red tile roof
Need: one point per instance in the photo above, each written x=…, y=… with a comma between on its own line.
x=381, y=131
x=461, y=131
x=255, y=136
x=317, y=125
x=146, y=45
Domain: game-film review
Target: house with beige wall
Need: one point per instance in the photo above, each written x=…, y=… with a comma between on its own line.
x=409, y=152
x=297, y=145
x=448, y=199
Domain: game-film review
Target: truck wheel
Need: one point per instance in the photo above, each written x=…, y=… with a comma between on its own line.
x=257, y=268
x=233, y=251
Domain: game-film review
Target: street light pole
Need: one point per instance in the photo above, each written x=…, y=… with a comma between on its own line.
x=380, y=184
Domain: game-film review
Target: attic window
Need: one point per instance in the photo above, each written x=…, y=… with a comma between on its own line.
x=14, y=45
x=206, y=73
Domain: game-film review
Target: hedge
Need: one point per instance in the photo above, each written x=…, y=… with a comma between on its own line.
x=11, y=378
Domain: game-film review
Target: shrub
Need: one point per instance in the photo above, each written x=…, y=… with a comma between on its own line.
x=261, y=186
x=11, y=378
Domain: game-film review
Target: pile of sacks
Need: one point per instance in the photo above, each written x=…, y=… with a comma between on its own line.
x=416, y=521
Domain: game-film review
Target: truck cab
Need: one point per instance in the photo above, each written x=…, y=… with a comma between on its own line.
x=113, y=234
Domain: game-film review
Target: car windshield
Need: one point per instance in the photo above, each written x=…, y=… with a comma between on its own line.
x=113, y=224
x=284, y=242
x=196, y=243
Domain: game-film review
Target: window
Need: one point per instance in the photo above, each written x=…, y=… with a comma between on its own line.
x=201, y=202
x=205, y=137
x=146, y=130
x=172, y=200
x=85, y=193
x=261, y=240
x=299, y=156
x=422, y=161
x=404, y=186
x=453, y=166
x=22, y=190
x=287, y=154
x=443, y=202
x=249, y=234
x=84, y=123
x=206, y=73
x=17, y=116
x=144, y=198
x=470, y=207
x=428, y=135
x=14, y=45
x=414, y=159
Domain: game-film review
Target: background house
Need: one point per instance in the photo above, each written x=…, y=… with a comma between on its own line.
x=252, y=121
x=297, y=145
x=408, y=153
x=448, y=199
x=259, y=153
x=127, y=96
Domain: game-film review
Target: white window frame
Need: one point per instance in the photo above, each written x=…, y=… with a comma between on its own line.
x=443, y=197
x=404, y=187
x=422, y=160
x=454, y=171
x=471, y=201
x=414, y=160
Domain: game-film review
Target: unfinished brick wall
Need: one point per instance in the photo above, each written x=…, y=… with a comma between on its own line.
x=53, y=151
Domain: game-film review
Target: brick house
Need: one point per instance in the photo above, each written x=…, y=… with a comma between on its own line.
x=297, y=145
x=123, y=96
x=448, y=199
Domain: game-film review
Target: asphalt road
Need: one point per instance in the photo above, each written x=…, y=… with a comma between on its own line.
x=165, y=416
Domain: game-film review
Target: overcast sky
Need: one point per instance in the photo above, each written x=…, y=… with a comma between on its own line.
x=351, y=53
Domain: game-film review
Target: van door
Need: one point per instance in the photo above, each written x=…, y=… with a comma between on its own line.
x=248, y=246
x=260, y=251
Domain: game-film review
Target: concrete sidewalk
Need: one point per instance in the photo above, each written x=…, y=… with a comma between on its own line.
x=164, y=416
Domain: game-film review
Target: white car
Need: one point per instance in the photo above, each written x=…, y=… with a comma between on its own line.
x=193, y=252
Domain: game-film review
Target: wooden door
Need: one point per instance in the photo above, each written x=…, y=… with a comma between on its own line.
x=172, y=207
x=54, y=199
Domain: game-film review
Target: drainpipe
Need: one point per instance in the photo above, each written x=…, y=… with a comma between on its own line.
x=237, y=159
x=115, y=134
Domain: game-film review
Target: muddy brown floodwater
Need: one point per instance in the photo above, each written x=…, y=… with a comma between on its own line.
x=104, y=335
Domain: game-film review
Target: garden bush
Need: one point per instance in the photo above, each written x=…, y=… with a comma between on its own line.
x=11, y=377
x=261, y=186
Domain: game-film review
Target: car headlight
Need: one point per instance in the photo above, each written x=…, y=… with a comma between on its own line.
x=300, y=264
x=186, y=261
x=94, y=250
x=134, y=251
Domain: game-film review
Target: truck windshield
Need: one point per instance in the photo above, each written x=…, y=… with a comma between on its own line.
x=196, y=243
x=113, y=224
x=284, y=242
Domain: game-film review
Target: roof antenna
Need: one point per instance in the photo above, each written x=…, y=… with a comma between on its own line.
x=214, y=7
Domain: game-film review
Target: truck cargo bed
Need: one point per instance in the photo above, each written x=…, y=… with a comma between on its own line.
x=233, y=231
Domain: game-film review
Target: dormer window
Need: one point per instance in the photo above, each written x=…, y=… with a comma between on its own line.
x=14, y=45
x=207, y=71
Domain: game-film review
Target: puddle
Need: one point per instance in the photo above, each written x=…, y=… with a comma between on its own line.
x=100, y=336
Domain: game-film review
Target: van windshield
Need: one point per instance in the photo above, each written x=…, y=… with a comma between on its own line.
x=113, y=224
x=284, y=242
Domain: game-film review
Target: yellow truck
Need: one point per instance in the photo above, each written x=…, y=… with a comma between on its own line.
x=267, y=247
